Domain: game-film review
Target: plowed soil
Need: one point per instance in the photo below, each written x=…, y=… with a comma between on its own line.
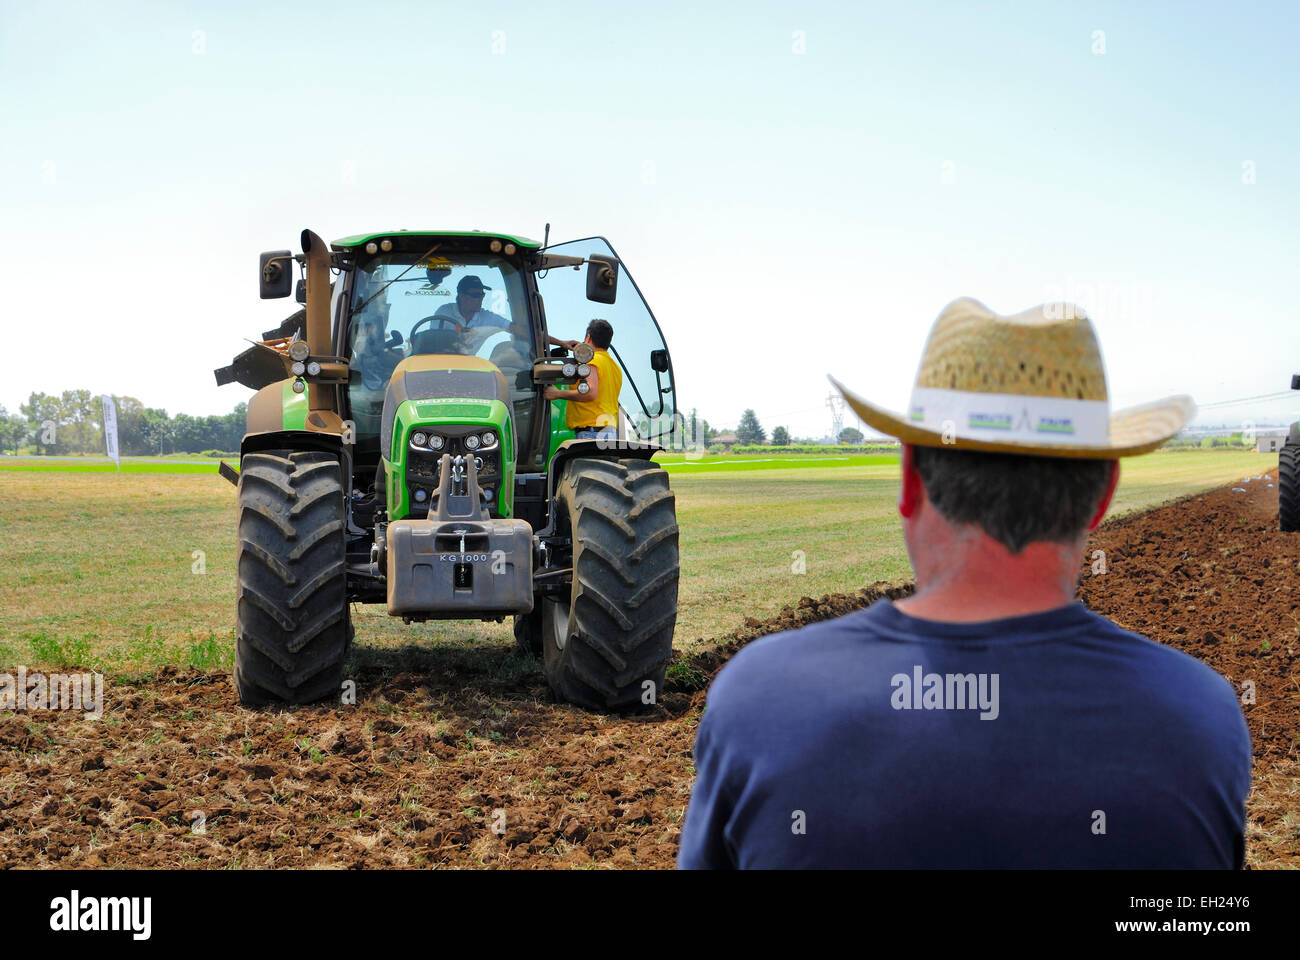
x=461, y=758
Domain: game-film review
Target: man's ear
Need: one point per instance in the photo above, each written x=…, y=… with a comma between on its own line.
x=910, y=490
x=1104, y=504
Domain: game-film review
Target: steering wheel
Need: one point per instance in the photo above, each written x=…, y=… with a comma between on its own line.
x=429, y=320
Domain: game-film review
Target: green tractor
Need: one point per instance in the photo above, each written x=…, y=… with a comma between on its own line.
x=401, y=450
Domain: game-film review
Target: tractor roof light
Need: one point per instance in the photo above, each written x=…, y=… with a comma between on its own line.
x=385, y=245
x=495, y=246
x=372, y=247
x=510, y=249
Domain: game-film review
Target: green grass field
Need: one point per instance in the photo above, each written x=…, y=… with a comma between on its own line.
x=125, y=572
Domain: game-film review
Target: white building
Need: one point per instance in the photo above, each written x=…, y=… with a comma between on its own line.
x=1269, y=442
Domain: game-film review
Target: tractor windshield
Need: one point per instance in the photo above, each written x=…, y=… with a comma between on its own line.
x=460, y=304
x=647, y=399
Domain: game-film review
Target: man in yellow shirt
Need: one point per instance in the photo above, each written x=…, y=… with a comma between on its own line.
x=594, y=415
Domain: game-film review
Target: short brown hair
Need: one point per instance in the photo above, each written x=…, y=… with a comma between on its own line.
x=1015, y=499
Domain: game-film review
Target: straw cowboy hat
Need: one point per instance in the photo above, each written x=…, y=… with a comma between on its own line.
x=1032, y=383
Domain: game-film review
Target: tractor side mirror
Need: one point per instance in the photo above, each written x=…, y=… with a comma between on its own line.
x=602, y=279
x=1295, y=381
x=659, y=361
x=274, y=274
x=394, y=339
x=300, y=293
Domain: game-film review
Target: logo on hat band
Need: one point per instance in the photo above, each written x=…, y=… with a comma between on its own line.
x=1001, y=416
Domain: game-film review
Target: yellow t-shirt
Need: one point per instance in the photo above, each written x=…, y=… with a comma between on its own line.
x=603, y=411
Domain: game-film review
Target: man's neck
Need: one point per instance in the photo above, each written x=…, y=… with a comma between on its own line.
x=982, y=580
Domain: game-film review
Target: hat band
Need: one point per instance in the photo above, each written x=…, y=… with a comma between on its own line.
x=1004, y=416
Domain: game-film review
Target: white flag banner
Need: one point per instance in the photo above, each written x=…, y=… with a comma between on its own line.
x=110, y=430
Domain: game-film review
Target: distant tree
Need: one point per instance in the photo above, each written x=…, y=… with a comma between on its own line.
x=749, y=431
x=81, y=421
x=851, y=435
x=159, y=436
x=42, y=411
x=13, y=430
x=780, y=437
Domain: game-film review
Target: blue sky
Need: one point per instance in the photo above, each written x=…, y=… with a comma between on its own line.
x=811, y=209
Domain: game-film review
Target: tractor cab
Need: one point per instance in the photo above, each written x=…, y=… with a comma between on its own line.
x=493, y=298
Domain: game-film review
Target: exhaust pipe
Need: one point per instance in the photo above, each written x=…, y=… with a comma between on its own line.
x=318, y=294
x=322, y=398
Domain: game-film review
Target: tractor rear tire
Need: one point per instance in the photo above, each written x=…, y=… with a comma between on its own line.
x=294, y=624
x=1288, y=487
x=607, y=647
x=528, y=632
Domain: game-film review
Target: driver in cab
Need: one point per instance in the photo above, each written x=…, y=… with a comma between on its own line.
x=467, y=317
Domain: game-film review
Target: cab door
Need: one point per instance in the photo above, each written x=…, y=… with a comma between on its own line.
x=648, y=398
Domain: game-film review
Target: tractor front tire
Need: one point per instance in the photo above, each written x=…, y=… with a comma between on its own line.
x=607, y=647
x=294, y=628
x=1288, y=487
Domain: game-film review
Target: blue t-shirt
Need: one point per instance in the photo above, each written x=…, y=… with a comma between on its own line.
x=1049, y=740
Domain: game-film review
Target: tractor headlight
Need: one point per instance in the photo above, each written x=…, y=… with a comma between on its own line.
x=472, y=442
x=584, y=370
x=419, y=439
x=435, y=442
x=584, y=387
x=569, y=369
x=421, y=495
x=489, y=439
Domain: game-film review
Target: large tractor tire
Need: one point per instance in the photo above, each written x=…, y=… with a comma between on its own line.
x=1288, y=486
x=294, y=627
x=607, y=647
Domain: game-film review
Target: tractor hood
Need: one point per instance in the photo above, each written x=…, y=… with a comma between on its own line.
x=456, y=380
